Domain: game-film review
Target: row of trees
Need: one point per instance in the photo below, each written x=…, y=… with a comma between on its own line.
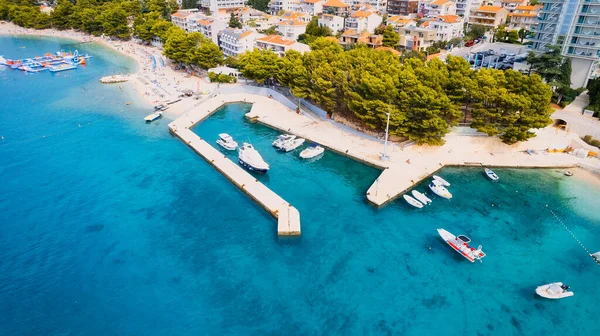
x=512, y=36
x=423, y=99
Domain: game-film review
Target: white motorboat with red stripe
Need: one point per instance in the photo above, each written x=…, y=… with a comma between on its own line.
x=460, y=244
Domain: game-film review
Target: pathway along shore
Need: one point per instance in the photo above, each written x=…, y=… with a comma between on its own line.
x=405, y=167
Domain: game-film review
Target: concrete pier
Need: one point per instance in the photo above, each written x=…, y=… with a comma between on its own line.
x=406, y=166
x=288, y=217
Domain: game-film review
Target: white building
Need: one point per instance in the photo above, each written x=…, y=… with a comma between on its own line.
x=215, y=5
x=246, y=14
x=266, y=22
x=208, y=26
x=311, y=7
x=291, y=29
x=298, y=16
x=434, y=8
x=280, y=45
x=446, y=26
x=333, y=22
x=464, y=7
x=511, y=5
x=180, y=20
x=276, y=6
x=234, y=41
x=362, y=20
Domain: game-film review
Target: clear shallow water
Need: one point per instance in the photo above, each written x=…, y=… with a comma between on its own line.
x=116, y=228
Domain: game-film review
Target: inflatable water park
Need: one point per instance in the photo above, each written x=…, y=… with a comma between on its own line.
x=53, y=62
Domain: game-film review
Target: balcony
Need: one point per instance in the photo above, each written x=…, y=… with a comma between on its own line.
x=583, y=52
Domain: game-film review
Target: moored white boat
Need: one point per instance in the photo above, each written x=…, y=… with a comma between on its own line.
x=312, y=151
x=441, y=180
x=412, y=201
x=554, y=290
x=292, y=144
x=421, y=197
x=439, y=189
x=491, y=175
x=282, y=139
x=226, y=141
x=460, y=244
x=153, y=116
x=251, y=159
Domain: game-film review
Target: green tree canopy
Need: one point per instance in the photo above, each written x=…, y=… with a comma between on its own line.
x=390, y=37
x=234, y=22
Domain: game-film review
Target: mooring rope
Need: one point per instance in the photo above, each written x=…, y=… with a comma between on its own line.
x=572, y=234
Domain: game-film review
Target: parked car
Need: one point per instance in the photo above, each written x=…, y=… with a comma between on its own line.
x=469, y=43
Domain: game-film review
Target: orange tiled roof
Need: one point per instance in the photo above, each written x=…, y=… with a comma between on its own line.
x=349, y=32
x=527, y=8
x=335, y=3
x=522, y=14
x=181, y=15
x=205, y=22
x=361, y=14
x=440, y=2
x=449, y=18
x=311, y=1
x=276, y=39
x=493, y=9
x=425, y=24
x=292, y=23
x=398, y=19
x=392, y=50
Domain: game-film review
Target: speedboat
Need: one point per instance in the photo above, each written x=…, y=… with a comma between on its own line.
x=282, y=139
x=226, y=141
x=554, y=290
x=596, y=256
x=412, y=201
x=251, y=159
x=312, y=152
x=441, y=180
x=421, y=197
x=491, y=175
x=439, y=189
x=460, y=244
x=153, y=116
x=290, y=145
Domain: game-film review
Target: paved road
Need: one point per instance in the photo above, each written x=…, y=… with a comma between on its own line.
x=499, y=48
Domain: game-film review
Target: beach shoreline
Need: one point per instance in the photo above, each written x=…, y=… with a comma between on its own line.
x=152, y=83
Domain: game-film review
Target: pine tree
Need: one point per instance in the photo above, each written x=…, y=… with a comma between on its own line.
x=234, y=22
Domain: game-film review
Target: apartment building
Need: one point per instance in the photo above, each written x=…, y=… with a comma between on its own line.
x=399, y=21
x=291, y=29
x=280, y=45
x=215, y=5
x=582, y=43
x=464, y=7
x=362, y=20
x=234, y=41
x=447, y=27
x=333, y=22
x=295, y=16
x=416, y=38
x=180, y=20
x=247, y=14
x=402, y=7
x=311, y=7
x=523, y=17
x=510, y=5
x=489, y=16
x=434, y=8
x=276, y=6
x=549, y=23
x=336, y=7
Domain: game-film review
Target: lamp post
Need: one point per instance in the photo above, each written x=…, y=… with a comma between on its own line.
x=384, y=157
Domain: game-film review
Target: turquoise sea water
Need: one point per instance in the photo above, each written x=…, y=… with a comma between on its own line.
x=116, y=228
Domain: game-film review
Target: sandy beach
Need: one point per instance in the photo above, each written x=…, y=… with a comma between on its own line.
x=152, y=85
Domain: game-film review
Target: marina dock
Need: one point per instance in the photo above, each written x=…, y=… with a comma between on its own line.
x=405, y=167
x=288, y=217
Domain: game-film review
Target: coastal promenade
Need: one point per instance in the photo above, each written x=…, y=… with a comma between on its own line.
x=288, y=217
x=406, y=167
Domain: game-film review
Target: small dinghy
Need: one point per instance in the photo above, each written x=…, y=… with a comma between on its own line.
x=554, y=290
x=439, y=189
x=441, y=180
x=568, y=173
x=413, y=201
x=491, y=175
x=226, y=141
x=312, y=151
x=596, y=257
x=421, y=197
